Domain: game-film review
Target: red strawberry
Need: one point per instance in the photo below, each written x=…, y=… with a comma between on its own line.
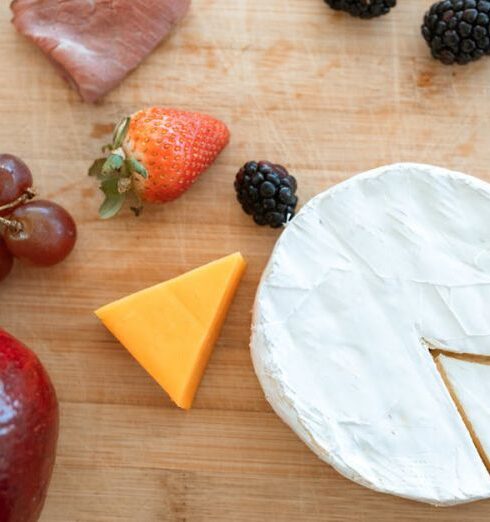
x=157, y=154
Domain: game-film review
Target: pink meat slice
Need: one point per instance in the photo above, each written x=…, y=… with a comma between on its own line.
x=96, y=43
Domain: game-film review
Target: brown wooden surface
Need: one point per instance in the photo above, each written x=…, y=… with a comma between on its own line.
x=324, y=94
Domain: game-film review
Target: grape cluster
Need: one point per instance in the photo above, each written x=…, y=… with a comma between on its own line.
x=38, y=231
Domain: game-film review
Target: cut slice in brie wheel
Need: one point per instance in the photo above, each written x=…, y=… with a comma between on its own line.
x=469, y=384
x=359, y=283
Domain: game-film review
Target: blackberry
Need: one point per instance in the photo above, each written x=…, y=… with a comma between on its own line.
x=362, y=8
x=267, y=192
x=458, y=31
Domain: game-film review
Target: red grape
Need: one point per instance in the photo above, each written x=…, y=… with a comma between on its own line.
x=6, y=260
x=48, y=233
x=15, y=179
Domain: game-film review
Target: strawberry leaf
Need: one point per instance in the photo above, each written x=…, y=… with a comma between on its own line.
x=112, y=164
x=124, y=171
x=96, y=167
x=110, y=186
x=121, y=132
x=137, y=210
x=112, y=205
x=114, y=199
x=136, y=204
x=135, y=166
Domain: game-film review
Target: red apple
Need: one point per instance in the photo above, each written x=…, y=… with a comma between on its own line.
x=28, y=431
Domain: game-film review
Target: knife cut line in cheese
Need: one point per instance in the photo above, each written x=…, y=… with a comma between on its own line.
x=467, y=379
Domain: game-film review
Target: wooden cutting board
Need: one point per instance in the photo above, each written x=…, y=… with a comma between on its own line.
x=298, y=84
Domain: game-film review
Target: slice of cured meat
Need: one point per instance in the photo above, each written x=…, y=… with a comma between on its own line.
x=96, y=43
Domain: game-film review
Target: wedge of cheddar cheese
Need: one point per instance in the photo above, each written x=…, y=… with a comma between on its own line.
x=171, y=328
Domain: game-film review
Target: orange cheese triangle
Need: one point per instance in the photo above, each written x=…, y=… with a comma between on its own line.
x=171, y=328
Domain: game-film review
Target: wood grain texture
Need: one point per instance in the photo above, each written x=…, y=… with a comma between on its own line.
x=328, y=96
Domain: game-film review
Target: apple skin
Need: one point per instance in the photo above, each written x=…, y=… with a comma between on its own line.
x=29, y=421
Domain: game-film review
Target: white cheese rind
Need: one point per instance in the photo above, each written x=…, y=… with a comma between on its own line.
x=363, y=273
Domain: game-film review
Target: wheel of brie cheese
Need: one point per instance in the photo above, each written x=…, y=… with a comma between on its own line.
x=370, y=277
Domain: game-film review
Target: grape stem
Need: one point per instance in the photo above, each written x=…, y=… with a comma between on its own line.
x=26, y=196
x=10, y=224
